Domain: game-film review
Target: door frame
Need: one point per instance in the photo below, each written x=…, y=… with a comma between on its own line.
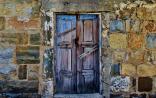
x=100, y=46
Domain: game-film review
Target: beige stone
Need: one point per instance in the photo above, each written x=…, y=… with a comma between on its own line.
x=146, y=70
x=128, y=69
x=135, y=41
x=118, y=41
x=33, y=72
x=7, y=9
x=154, y=84
x=150, y=57
x=119, y=56
x=136, y=57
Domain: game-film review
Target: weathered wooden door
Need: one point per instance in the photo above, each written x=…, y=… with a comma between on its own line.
x=77, y=60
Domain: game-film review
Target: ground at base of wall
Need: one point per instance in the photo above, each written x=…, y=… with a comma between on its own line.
x=20, y=95
x=96, y=95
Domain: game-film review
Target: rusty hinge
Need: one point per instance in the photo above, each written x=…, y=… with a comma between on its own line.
x=88, y=52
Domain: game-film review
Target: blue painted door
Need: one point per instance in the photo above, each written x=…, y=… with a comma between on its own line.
x=77, y=63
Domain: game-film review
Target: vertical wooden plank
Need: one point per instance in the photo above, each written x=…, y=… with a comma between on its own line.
x=79, y=31
x=95, y=31
x=88, y=60
x=88, y=30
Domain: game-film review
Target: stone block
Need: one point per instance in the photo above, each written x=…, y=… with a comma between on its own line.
x=128, y=69
x=35, y=39
x=138, y=96
x=27, y=54
x=132, y=25
x=18, y=24
x=2, y=23
x=19, y=86
x=117, y=25
x=145, y=84
x=27, y=8
x=119, y=56
x=22, y=72
x=144, y=13
x=120, y=84
x=152, y=95
x=6, y=55
x=33, y=72
x=150, y=57
x=136, y=57
x=7, y=9
x=149, y=26
x=118, y=41
x=151, y=41
x=146, y=70
x=116, y=96
x=154, y=84
x=135, y=40
x=115, y=70
x=13, y=38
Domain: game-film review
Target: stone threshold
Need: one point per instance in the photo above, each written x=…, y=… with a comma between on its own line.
x=94, y=95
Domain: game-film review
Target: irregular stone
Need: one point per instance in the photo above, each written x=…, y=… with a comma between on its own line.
x=22, y=72
x=151, y=41
x=35, y=39
x=145, y=84
x=49, y=90
x=128, y=69
x=118, y=41
x=146, y=70
x=80, y=5
x=119, y=84
x=136, y=57
x=14, y=23
x=14, y=38
x=135, y=41
x=117, y=25
x=33, y=72
x=27, y=54
x=150, y=57
x=48, y=63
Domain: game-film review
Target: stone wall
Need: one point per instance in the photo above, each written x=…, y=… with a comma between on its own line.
x=27, y=54
x=20, y=40
x=131, y=39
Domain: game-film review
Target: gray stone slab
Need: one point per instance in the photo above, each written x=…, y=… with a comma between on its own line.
x=95, y=95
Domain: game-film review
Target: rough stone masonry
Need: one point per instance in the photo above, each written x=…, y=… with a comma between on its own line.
x=128, y=46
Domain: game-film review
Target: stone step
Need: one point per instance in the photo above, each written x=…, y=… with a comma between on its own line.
x=95, y=95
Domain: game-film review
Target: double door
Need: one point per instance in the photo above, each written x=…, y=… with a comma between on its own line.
x=77, y=54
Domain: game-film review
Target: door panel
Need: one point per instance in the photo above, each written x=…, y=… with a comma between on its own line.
x=66, y=54
x=88, y=65
x=77, y=65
